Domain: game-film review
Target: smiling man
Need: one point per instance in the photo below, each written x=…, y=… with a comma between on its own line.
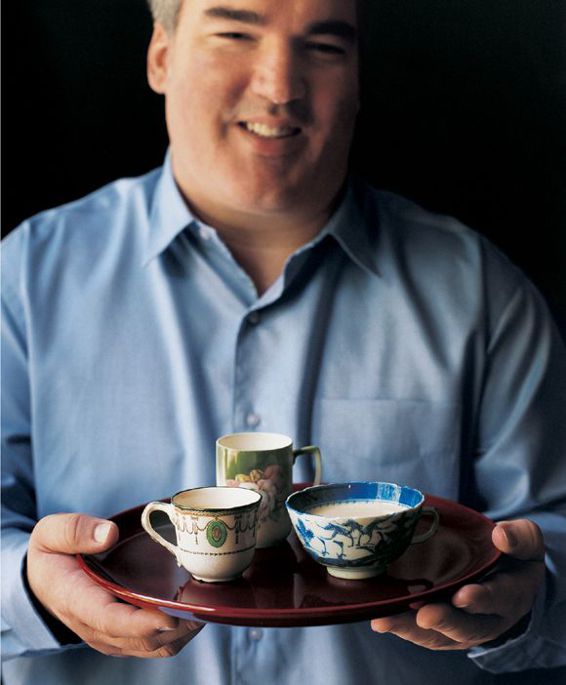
x=253, y=283
x=261, y=100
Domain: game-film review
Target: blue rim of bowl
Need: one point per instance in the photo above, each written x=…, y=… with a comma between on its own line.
x=350, y=485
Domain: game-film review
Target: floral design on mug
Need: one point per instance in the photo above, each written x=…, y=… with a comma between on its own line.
x=272, y=485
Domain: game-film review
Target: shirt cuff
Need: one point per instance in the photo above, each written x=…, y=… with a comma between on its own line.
x=520, y=652
x=26, y=630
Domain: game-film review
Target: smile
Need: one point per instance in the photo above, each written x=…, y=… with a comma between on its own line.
x=265, y=131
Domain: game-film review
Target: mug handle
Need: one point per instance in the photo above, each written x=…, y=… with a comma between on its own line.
x=433, y=526
x=146, y=523
x=311, y=449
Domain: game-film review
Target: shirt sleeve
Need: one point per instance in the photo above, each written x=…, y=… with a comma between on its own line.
x=520, y=461
x=23, y=631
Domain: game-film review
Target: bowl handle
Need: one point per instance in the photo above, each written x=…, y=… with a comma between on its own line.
x=433, y=526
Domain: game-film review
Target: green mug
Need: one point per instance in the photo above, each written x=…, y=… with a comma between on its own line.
x=263, y=462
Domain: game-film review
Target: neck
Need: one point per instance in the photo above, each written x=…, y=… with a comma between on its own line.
x=261, y=244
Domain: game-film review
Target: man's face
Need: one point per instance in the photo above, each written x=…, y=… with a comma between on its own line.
x=261, y=99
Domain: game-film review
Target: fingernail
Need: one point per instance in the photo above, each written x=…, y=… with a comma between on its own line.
x=165, y=629
x=460, y=604
x=101, y=532
x=378, y=627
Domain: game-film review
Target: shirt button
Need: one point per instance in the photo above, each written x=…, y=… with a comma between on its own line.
x=252, y=420
x=254, y=317
x=204, y=233
x=255, y=634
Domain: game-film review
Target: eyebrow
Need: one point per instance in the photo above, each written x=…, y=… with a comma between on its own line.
x=333, y=27
x=340, y=29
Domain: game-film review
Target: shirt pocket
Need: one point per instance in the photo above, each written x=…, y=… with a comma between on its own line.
x=411, y=442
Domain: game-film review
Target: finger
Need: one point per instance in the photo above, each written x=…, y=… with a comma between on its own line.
x=126, y=621
x=389, y=624
x=405, y=627
x=115, y=645
x=73, y=534
x=509, y=594
x=101, y=611
x=149, y=643
x=478, y=599
x=77, y=600
x=173, y=648
x=133, y=648
x=521, y=539
x=466, y=629
x=154, y=632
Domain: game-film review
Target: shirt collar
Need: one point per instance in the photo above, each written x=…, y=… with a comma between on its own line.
x=170, y=215
x=351, y=228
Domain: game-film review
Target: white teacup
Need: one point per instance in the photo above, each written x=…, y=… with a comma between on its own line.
x=215, y=527
x=263, y=462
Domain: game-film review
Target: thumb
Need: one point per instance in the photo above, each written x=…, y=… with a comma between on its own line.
x=521, y=539
x=73, y=534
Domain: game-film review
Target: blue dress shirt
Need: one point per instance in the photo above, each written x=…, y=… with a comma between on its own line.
x=401, y=342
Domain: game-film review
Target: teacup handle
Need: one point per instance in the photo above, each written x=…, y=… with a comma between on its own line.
x=433, y=527
x=168, y=509
x=311, y=449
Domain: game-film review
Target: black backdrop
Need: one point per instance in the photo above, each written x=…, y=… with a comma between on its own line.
x=464, y=113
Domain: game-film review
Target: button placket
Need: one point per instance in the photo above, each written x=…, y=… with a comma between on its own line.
x=245, y=413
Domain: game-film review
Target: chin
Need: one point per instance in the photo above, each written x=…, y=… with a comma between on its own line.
x=277, y=194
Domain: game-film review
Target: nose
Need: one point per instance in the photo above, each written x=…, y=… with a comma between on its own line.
x=278, y=76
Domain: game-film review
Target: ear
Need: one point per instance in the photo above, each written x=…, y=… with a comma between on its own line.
x=158, y=58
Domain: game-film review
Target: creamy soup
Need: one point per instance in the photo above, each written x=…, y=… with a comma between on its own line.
x=356, y=509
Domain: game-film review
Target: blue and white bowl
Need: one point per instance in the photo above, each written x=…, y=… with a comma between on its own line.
x=347, y=526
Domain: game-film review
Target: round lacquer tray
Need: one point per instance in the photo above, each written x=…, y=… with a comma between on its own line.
x=284, y=586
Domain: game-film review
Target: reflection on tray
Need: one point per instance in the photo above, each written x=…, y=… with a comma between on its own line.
x=285, y=577
x=236, y=594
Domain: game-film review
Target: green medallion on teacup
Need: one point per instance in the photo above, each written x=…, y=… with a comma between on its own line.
x=263, y=462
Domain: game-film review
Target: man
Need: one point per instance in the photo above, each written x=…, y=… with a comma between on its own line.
x=249, y=284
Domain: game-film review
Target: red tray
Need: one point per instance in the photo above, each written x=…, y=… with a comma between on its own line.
x=284, y=587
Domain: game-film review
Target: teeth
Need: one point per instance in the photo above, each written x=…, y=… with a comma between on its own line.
x=266, y=131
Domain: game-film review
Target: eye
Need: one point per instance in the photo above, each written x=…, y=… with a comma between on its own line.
x=325, y=48
x=233, y=35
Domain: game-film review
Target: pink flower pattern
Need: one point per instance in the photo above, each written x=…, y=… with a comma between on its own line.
x=272, y=485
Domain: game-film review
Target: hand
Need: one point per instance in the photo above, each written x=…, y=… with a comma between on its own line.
x=96, y=616
x=484, y=611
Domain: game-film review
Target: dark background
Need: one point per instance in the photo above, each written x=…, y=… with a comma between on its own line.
x=464, y=113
